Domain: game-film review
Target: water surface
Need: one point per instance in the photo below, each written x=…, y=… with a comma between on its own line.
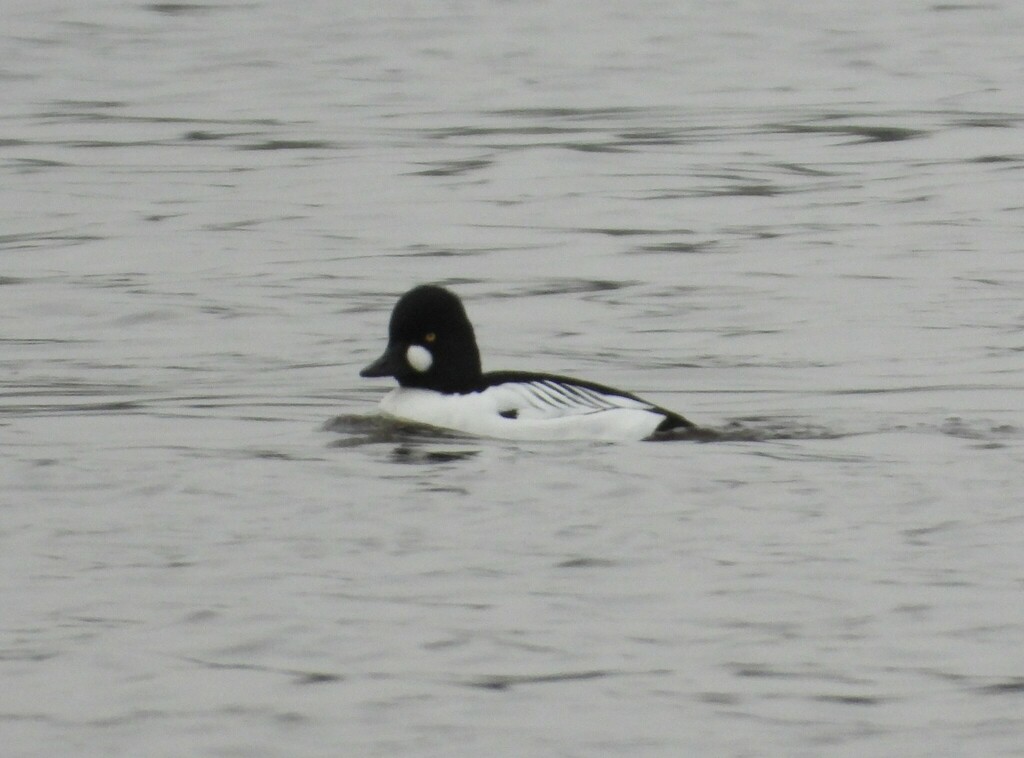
x=800, y=228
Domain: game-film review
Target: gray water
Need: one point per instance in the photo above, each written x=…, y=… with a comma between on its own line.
x=800, y=226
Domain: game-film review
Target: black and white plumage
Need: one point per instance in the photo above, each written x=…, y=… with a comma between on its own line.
x=433, y=354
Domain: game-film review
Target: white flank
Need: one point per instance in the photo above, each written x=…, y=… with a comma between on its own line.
x=539, y=414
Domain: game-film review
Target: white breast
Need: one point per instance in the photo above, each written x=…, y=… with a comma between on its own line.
x=544, y=410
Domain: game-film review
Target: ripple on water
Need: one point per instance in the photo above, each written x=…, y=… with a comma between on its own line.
x=372, y=429
x=979, y=429
x=358, y=430
x=564, y=287
x=800, y=220
x=680, y=247
x=455, y=167
x=863, y=133
x=507, y=681
x=49, y=240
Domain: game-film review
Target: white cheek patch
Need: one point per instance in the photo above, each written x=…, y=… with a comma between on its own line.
x=419, y=358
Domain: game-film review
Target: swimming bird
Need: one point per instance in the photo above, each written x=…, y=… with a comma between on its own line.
x=433, y=354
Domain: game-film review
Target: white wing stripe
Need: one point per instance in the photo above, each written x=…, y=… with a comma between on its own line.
x=591, y=397
x=577, y=396
x=610, y=401
x=546, y=397
x=531, y=397
x=551, y=391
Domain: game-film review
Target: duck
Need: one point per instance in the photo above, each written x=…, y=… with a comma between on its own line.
x=432, y=353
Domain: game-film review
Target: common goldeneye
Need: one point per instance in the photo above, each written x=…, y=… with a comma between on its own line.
x=432, y=353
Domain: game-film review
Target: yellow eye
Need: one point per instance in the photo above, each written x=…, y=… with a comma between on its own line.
x=430, y=337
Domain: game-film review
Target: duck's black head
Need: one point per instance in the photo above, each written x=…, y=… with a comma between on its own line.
x=430, y=343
